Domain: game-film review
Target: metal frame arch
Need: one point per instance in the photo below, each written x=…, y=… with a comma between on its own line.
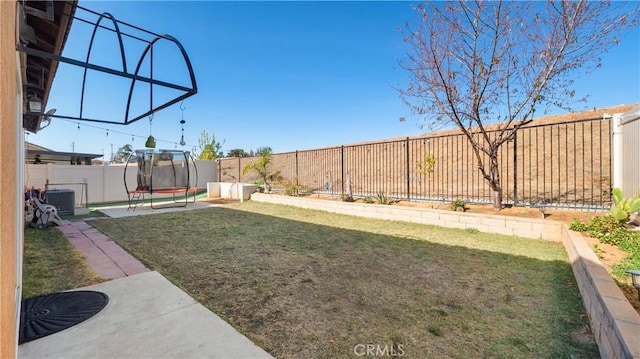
x=149, y=49
x=93, y=35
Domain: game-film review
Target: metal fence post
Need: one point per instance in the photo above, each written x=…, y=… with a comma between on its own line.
x=219, y=170
x=515, y=169
x=342, y=169
x=296, y=168
x=407, y=168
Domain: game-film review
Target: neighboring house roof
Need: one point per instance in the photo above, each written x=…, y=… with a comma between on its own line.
x=41, y=155
x=33, y=147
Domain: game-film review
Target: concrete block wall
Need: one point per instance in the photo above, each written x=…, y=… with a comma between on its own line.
x=103, y=183
x=241, y=191
x=521, y=227
x=614, y=322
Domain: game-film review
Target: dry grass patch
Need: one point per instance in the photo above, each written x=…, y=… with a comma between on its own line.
x=303, y=283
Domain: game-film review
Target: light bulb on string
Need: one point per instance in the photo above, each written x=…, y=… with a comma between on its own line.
x=107, y=132
x=78, y=125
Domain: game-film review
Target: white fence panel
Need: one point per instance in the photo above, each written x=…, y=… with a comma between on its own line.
x=103, y=183
x=626, y=150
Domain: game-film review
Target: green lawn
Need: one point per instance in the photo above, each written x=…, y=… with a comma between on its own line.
x=310, y=284
x=51, y=264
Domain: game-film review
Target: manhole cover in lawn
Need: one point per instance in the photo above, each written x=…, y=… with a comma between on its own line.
x=51, y=313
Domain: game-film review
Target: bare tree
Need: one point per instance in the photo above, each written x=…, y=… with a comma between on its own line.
x=484, y=63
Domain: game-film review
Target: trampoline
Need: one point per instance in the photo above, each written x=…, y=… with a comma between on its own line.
x=162, y=172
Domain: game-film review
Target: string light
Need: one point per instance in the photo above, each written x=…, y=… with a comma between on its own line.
x=111, y=131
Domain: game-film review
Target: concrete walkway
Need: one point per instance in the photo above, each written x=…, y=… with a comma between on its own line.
x=103, y=255
x=147, y=316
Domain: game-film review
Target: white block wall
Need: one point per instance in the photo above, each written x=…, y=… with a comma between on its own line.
x=104, y=183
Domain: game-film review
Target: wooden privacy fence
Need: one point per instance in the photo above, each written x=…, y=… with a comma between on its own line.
x=565, y=164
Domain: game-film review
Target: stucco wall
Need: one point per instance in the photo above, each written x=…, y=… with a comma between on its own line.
x=10, y=234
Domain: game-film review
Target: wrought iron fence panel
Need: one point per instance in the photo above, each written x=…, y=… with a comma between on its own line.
x=565, y=164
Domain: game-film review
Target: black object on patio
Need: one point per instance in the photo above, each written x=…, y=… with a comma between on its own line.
x=51, y=313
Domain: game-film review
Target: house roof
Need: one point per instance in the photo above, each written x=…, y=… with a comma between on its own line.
x=39, y=154
x=43, y=26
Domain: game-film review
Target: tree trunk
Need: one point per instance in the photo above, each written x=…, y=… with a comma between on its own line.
x=495, y=184
x=348, y=191
x=497, y=199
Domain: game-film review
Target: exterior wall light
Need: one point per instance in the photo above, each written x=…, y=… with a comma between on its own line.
x=635, y=279
x=34, y=104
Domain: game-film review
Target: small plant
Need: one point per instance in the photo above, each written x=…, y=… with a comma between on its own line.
x=435, y=331
x=458, y=203
x=603, y=228
x=598, y=251
x=425, y=166
x=577, y=225
x=379, y=198
x=608, y=229
x=623, y=207
x=291, y=188
x=382, y=198
x=369, y=199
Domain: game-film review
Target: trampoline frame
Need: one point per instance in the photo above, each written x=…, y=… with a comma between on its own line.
x=147, y=160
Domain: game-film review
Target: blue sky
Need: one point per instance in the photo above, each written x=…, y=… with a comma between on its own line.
x=289, y=75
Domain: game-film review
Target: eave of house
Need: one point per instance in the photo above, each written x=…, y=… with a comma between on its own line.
x=47, y=27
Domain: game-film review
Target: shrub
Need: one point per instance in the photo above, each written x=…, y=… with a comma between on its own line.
x=382, y=198
x=577, y=225
x=623, y=207
x=290, y=188
x=457, y=203
x=379, y=198
x=608, y=229
x=602, y=228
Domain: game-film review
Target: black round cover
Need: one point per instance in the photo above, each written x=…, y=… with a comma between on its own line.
x=51, y=313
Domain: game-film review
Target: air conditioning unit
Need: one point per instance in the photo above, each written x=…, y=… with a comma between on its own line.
x=63, y=199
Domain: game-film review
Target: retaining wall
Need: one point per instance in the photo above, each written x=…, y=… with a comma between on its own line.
x=614, y=322
x=521, y=227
